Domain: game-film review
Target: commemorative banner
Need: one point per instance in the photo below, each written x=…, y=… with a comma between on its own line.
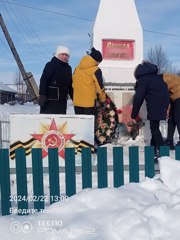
x=51, y=131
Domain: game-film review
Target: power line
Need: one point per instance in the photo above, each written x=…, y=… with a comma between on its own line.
x=17, y=26
x=23, y=20
x=156, y=32
x=44, y=10
x=81, y=18
x=5, y=45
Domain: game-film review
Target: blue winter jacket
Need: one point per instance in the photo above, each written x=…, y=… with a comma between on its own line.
x=151, y=87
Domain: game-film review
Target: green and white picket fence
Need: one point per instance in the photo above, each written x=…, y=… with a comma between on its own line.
x=118, y=168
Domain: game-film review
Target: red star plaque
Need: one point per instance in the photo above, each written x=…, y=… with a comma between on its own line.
x=53, y=138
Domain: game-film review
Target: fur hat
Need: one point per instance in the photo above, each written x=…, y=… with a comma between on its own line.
x=96, y=55
x=62, y=49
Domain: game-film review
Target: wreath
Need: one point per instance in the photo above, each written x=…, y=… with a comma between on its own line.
x=106, y=121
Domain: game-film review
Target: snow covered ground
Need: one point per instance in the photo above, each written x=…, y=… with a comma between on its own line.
x=149, y=210
x=27, y=108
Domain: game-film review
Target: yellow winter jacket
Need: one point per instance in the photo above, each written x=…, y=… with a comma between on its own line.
x=87, y=83
x=173, y=84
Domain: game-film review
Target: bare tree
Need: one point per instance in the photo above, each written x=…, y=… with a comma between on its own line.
x=158, y=56
x=178, y=72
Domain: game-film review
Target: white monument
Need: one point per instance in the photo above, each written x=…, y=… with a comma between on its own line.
x=117, y=33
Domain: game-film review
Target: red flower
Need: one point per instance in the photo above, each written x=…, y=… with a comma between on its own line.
x=119, y=111
x=108, y=101
x=103, y=125
x=138, y=119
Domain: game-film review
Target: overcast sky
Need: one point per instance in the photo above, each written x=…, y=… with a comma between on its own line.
x=38, y=27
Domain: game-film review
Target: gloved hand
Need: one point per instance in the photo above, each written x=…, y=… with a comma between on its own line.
x=42, y=100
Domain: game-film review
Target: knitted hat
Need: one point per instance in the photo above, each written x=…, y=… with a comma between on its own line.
x=62, y=49
x=151, y=65
x=96, y=55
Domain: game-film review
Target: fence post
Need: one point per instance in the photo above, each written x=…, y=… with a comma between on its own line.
x=5, y=182
x=177, y=152
x=102, y=167
x=86, y=168
x=70, y=171
x=53, y=162
x=118, y=166
x=134, y=164
x=149, y=161
x=1, y=144
x=164, y=151
x=21, y=179
x=37, y=169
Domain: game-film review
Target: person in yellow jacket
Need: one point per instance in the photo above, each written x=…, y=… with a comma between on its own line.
x=173, y=84
x=88, y=84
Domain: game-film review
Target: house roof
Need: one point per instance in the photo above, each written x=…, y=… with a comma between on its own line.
x=4, y=88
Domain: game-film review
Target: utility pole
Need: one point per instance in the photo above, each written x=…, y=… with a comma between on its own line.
x=27, y=76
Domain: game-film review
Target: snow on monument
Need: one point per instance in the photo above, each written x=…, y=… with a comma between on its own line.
x=117, y=33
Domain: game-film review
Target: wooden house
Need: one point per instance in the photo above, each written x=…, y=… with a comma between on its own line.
x=7, y=94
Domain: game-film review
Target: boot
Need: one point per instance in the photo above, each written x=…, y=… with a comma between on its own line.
x=156, y=154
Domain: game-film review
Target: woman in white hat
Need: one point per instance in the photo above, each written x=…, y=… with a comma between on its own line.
x=56, y=83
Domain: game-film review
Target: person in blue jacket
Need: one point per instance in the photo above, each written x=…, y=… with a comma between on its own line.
x=151, y=87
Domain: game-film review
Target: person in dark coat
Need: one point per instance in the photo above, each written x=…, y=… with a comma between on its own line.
x=151, y=87
x=56, y=83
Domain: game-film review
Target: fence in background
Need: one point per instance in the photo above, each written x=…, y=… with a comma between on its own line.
x=70, y=170
x=4, y=130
